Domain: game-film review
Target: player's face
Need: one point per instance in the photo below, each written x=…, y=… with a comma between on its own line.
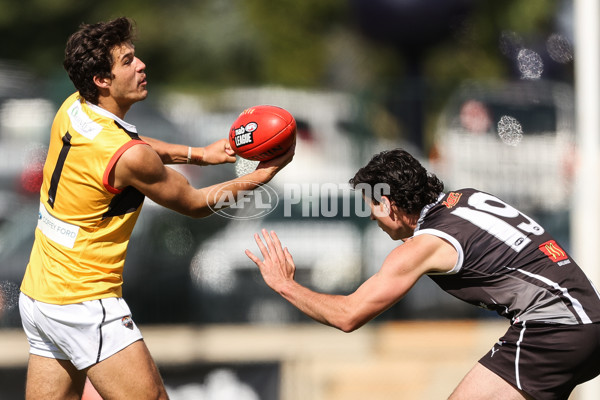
x=128, y=83
x=392, y=221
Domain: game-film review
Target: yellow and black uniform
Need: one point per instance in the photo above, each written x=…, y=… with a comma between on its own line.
x=84, y=223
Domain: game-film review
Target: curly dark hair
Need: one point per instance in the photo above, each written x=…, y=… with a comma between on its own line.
x=88, y=53
x=411, y=187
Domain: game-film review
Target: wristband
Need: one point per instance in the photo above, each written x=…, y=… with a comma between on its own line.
x=189, y=159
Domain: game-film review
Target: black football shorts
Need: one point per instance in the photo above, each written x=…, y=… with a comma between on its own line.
x=546, y=361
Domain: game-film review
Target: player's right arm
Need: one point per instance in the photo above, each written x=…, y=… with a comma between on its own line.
x=141, y=167
x=400, y=271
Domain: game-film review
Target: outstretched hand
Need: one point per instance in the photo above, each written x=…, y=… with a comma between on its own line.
x=219, y=152
x=277, y=266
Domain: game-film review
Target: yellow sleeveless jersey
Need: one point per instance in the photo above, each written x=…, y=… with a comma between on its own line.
x=84, y=224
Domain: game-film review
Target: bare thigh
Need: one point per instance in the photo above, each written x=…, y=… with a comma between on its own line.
x=52, y=379
x=129, y=374
x=482, y=384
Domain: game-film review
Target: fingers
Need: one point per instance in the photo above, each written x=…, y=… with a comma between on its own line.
x=271, y=248
x=255, y=259
x=288, y=256
x=263, y=249
x=218, y=152
x=278, y=267
x=274, y=245
x=269, y=241
x=228, y=150
x=277, y=245
x=279, y=161
x=229, y=153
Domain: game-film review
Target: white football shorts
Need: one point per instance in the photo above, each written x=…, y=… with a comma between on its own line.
x=84, y=333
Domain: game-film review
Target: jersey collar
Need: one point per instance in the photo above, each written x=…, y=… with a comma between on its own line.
x=426, y=209
x=106, y=113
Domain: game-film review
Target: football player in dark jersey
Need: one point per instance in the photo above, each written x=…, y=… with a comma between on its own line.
x=481, y=250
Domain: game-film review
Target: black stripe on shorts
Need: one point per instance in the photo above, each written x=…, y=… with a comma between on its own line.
x=100, y=331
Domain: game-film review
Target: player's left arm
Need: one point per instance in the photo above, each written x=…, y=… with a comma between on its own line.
x=219, y=152
x=400, y=271
x=141, y=167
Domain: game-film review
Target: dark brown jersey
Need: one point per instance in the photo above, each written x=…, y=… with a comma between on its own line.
x=507, y=262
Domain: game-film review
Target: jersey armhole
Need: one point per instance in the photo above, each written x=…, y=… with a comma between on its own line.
x=450, y=239
x=113, y=161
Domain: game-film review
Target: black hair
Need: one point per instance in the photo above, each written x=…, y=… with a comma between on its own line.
x=411, y=187
x=88, y=53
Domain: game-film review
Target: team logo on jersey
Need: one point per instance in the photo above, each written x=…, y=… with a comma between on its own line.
x=452, y=199
x=127, y=322
x=554, y=251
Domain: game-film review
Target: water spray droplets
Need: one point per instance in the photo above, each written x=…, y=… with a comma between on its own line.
x=243, y=166
x=9, y=296
x=179, y=240
x=510, y=130
x=510, y=43
x=559, y=48
x=530, y=64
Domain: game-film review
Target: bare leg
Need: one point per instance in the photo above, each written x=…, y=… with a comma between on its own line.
x=482, y=384
x=49, y=379
x=128, y=374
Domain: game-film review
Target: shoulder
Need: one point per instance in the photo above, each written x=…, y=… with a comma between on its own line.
x=63, y=112
x=71, y=99
x=139, y=156
x=138, y=163
x=442, y=212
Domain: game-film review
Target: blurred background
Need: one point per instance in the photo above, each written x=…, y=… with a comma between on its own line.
x=481, y=91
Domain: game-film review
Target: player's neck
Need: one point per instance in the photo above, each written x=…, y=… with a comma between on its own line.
x=109, y=104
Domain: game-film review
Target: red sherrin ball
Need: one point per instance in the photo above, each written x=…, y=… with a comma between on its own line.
x=261, y=133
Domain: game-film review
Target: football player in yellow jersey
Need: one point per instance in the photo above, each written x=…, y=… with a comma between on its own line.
x=96, y=175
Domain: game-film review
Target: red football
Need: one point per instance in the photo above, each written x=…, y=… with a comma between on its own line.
x=261, y=133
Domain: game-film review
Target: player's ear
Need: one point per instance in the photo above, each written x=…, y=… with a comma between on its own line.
x=386, y=204
x=385, y=201
x=390, y=207
x=102, y=83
